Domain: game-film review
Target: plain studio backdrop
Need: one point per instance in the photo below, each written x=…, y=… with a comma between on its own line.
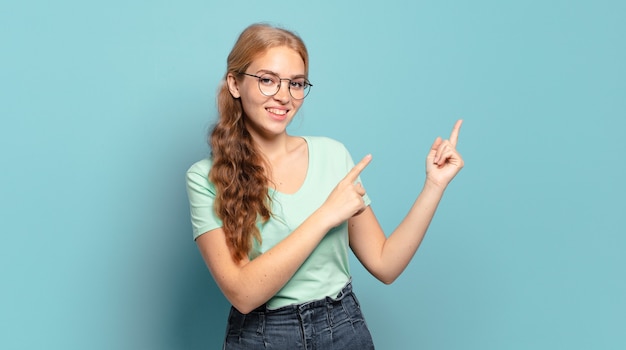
x=104, y=106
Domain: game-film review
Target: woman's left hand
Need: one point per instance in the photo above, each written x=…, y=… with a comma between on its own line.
x=443, y=161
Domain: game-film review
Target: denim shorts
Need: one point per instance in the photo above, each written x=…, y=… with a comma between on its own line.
x=325, y=324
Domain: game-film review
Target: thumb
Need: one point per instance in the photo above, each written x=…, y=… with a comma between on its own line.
x=435, y=145
x=433, y=150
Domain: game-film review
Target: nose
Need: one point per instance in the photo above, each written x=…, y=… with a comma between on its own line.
x=283, y=95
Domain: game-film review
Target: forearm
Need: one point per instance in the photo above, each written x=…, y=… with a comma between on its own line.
x=252, y=283
x=400, y=247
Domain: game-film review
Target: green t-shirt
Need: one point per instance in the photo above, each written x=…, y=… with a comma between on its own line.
x=326, y=270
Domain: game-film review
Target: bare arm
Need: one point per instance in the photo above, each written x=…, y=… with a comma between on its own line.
x=248, y=284
x=386, y=257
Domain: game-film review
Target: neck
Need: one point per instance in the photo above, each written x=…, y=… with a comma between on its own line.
x=272, y=146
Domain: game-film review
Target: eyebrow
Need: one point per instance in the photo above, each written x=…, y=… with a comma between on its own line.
x=276, y=74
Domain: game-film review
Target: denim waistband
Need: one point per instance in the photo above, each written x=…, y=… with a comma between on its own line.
x=345, y=291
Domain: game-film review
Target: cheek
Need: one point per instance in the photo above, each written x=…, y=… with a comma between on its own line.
x=297, y=104
x=246, y=106
x=249, y=90
x=252, y=103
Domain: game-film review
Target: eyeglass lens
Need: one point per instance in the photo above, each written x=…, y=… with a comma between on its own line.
x=269, y=84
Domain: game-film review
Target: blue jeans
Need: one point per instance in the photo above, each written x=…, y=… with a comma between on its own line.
x=325, y=324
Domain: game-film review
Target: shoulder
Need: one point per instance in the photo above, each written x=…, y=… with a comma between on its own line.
x=327, y=153
x=201, y=167
x=198, y=175
x=325, y=143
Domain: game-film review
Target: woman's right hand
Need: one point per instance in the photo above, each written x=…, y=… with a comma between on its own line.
x=346, y=199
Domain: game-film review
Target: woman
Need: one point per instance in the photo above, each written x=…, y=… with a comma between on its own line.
x=274, y=214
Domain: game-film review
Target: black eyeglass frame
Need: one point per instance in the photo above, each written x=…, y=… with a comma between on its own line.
x=280, y=80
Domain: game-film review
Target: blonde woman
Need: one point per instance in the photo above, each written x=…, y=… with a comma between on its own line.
x=274, y=214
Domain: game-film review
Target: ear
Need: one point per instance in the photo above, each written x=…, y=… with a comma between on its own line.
x=233, y=85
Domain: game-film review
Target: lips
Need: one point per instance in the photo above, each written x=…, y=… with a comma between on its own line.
x=278, y=113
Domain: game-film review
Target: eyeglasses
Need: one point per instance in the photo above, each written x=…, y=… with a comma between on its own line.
x=269, y=84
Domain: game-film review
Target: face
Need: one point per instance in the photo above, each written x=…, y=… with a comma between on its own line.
x=268, y=116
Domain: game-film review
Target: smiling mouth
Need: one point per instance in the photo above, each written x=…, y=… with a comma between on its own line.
x=277, y=111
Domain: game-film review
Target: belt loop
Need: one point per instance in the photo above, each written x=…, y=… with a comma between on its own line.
x=261, y=326
x=329, y=312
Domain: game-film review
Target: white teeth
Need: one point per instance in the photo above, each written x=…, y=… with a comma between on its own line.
x=277, y=111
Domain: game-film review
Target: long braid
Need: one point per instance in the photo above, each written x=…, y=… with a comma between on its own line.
x=239, y=176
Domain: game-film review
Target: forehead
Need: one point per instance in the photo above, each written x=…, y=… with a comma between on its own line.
x=281, y=60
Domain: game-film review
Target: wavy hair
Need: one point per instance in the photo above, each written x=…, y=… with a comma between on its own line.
x=239, y=168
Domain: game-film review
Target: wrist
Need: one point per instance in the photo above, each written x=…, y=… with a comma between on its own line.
x=324, y=218
x=434, y=186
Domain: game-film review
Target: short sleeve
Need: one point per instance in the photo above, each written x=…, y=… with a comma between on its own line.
x=201, y=193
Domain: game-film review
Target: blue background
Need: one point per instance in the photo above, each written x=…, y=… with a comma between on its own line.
x=104, y=105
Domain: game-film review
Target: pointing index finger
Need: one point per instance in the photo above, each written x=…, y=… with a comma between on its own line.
x=454, y=136
x=358, y=168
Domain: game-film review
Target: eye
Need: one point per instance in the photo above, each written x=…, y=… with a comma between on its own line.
x=268, y=80
x=298, y=84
